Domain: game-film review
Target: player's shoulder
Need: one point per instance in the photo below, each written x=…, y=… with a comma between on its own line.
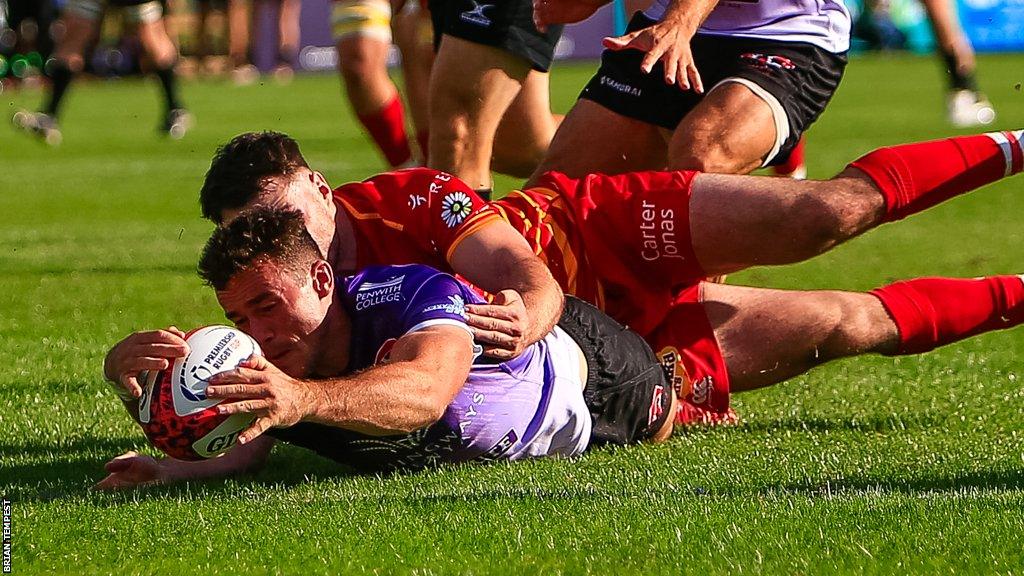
x=411, y=187
x=404, y=279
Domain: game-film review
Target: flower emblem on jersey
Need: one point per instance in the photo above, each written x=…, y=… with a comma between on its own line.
x=455, y=207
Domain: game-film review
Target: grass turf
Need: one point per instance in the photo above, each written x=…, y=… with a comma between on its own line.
x=872, y=465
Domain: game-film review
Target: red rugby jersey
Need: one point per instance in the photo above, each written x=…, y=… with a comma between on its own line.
x=415, y=216
x=420, y=215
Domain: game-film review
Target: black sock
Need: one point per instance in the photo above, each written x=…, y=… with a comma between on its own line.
x=169, y=82
x=958, y=79
x=61, y=77
x=484, y=193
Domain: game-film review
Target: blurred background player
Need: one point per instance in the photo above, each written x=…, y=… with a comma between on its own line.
x=26, y=38
x=362, y=33
x=238, y=17
x=768, y=68
x=489, y=90
x=82, y=19
x=965, y=105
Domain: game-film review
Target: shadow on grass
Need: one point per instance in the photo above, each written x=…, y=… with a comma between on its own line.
x=69, y=470
x=824, y=424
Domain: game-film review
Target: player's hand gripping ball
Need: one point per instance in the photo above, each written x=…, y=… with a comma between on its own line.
x=173, y=409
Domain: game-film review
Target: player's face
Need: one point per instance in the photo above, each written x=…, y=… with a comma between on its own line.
x=284, y=314
x=307, y=192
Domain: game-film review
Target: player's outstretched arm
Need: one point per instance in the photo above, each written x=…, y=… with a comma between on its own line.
x=140, y=351
x=527, y=302
x=133, y=470
x=425, y=370
x=668, y=41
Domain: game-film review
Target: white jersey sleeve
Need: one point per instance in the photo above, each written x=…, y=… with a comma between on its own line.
x=823, y=23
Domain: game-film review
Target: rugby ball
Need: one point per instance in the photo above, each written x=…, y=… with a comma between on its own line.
x=174, y=411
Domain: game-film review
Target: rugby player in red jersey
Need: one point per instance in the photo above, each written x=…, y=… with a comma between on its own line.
x=639, y=246
x=395, y=383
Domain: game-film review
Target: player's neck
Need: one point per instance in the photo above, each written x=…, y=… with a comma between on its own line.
x=343, y=251
x=335, y=341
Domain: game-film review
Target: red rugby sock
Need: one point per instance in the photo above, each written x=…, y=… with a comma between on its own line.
x=932, y=312
x=387, y=128
x=794, y=165
x=913, y=177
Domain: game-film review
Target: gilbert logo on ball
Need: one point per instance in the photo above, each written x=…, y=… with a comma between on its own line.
x=174, y=411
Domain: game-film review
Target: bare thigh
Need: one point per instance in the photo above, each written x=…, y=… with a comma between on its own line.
x=80, y=32
x=742, y=221
x=525, y=131
x=471, y=87
x=768, y=336
x=593, y=139
x=730, y=131
x=157, y=43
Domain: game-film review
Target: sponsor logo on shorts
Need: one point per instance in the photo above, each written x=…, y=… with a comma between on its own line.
x=455, y=207
x=767, y=62
x=700, y=393
x=476, y=15
x=658, y=232
x=672, y=363
x=372, y=294
x=620, y=87
x=499, y=449
x=656, y=409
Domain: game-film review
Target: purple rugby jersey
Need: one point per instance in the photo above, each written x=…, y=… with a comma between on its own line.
x=823, y=23
x=530, y=406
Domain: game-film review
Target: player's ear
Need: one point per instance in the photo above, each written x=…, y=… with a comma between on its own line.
x=321, y=184
x=323, y=278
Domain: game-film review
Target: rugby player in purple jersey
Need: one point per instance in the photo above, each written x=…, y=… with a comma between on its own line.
x=417, y=391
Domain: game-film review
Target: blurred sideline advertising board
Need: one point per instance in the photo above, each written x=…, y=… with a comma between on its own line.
x=992, y=25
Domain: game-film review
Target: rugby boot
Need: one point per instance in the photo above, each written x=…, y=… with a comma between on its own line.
x=39, y=124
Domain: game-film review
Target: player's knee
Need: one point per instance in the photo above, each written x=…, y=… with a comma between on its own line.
x=853, y=327
x=711, y=156
x=358, y=66
x=72, y=61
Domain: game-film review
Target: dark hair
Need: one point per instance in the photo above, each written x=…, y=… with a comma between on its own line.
x=241, y=168
x=258, y=235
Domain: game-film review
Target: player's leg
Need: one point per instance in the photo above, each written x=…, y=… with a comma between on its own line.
x=795, y=165
x=731, y=131
x=621, y=121
x=413, y=36
x=162, y=52
x=288, y=39
x=485, y=54
x=737, y=222
x=671, y=229
x=525, y=130
x=471, y=87
x=362, y=30
x=768, y=336
x=594, y=139
x=766, y=95
x=239, y=17
x=966, y=105
x=81, y=23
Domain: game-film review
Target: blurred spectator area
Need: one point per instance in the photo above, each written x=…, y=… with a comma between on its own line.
x=28, y=31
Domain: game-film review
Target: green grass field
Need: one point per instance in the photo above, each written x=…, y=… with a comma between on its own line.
x=873, y=465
